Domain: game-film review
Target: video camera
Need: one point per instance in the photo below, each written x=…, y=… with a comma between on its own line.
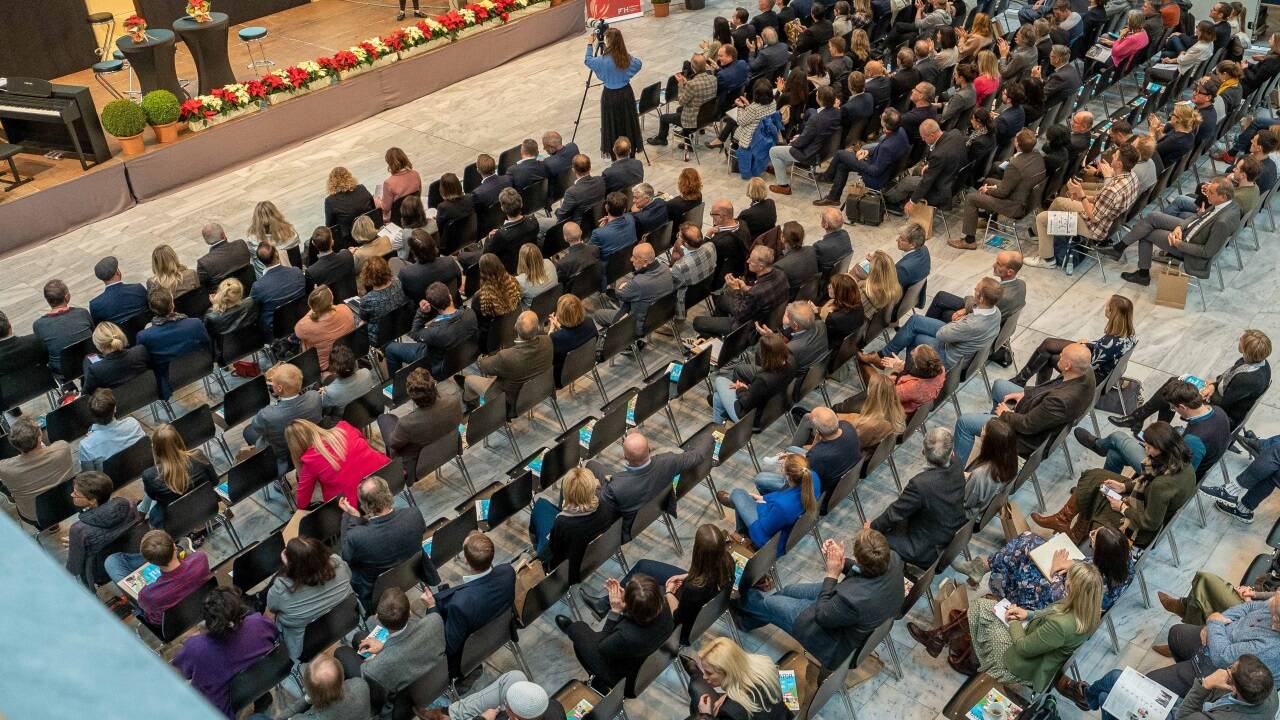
x=600, y=27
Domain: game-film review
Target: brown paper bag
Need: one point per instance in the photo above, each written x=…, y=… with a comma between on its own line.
x=922, y=214
x=1171, y=287
x=527, y=577
x=950, y=596
x=1013, y=521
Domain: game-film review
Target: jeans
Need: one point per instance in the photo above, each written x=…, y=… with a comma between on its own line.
x=400, y=354
x=771, y=478
x=782, y=159
x=119, y=566
x=1030, y=13
x=541, y=520
x=917, y=330
x=969, y=425
x=1098, y=690
x=779, y=609
x=1258, y=486
x=1246, y=137
x=1184, y=645
x=745, y=508
x=723, y=399
x=1123, y=450
x=1184, y=206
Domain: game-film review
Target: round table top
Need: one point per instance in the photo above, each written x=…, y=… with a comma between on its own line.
x=156, y=36
x=186, y=23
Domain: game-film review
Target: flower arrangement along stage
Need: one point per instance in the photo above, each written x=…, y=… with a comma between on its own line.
x=136, y=27
x=200, y=11
x=237, y=99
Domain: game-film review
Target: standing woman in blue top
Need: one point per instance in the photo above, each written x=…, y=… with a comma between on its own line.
x=615, y=68
x=763, y=516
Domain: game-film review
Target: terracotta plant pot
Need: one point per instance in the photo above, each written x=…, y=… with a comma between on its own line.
x=166, y=133
x=556, y=3
x=131, y=145
x=661, y=9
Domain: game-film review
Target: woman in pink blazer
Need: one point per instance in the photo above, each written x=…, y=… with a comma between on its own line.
x=337, y=459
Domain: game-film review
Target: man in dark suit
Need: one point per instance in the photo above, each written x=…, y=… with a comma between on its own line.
x=904, y=79
x=18, y=351
x=506, y=240
x=766, y=18
x=875, y=166
x=530, y=169
x=932, y=179
x=1039, y=411
x=625, y=170
x=1195, y=240
x=924, y=519
x=436, y=328
x=577, y=256
x=585, y=193
x=860, y=106
x=279, y=285
x=730, y=237
x=643, y=475
x=768, y=56
x=650, y=213
x=267, y=427
x=921, y=109
x=376, y=536
x=1063, y=83
x=223, y=257
x=170, y=336
x=483, y=595
x=1014, y=117
x=512, y=367
x=806, y=147
x=927, y=62
x=334, y=269
x=491, y=183
x=741, y=29
x=833, y=618
x=834, y=243
x=815, y=37
x=731, y=76
x=799, y=263
x=786, y=13
x=118, y=301
x=878, y=84
x=1007, y=197
x=558, y=160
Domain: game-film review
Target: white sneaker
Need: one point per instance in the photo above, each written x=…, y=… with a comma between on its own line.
x=1035, y=261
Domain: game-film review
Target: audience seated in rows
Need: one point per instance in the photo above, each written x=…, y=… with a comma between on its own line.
x=644, y=474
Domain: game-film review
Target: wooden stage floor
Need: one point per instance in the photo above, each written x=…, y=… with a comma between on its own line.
x=301, y=33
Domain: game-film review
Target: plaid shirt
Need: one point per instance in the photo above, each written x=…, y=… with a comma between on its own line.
x=1115, y=197
x=694, y=93
x=695, y=265
x=766, y=293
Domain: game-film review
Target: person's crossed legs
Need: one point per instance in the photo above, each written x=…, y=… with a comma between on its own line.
x=916, y=330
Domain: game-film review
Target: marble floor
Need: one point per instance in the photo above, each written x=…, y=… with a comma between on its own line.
x=488, y=113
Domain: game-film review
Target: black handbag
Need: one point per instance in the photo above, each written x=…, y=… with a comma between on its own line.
x=864, y=209
x=1130, y=390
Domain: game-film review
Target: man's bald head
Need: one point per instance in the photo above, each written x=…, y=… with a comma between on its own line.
x=323, y=681
x=643, y=253
x=527, y=325
x=930, y=131
x=1075, y=360
x=824, y=421
x=874, y=68
x=723, y=208
x=1081, y=121
x=832, y=219
x=213, y=233
x=635, y=449
x=800, y=316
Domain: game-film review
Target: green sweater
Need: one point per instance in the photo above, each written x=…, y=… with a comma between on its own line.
x=1042, y=647
x=1150, y=506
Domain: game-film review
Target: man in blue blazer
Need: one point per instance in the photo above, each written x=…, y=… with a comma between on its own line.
x=619, y=228
x=650, y=213
x=118, y=301
x=484, y=594
x=874, y=166
x=170, y=336
x=491, y=183
x=915, y=262
x=731, y=76
x=279, y=285
x=530, y=169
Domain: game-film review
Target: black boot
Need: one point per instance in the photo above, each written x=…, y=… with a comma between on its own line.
x=1090, y=441
x=1137, y=277
x=1130, y=421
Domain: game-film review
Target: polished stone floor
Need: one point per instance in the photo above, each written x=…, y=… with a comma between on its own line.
x=442, y=132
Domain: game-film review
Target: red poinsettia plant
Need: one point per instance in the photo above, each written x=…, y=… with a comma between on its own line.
x=341, y=60
x=398, y=40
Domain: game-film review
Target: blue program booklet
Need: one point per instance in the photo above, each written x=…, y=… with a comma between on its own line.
x=380, y=634
x=388, y=392
x=719, y=438
x=674, y=371
x=426, y=547
x=224, y=489
x=535, y=465
x=790, y=693
x=1198, y=382
x=631, y=411
x=482, y=510
x=739, y=564
x=584, y=435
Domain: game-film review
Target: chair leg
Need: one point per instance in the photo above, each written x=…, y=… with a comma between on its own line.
x=604, y=396
x=1200, y=507
x=1093, y=415
x=466, y=474
x=1111, y=630
x=555, y=405
x=711, y=485
x=524, y=666
x=1142, y=584
x=1035, y=485
x=511, y=438
x=893, y=468
x=1071, y=471
x=675, y=428
x=1173, y=550
x=671, y=530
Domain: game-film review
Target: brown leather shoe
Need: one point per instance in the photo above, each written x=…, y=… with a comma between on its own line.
x=826, y=202
x=871, y=359
x=1072, y=690
x=960, y=244
x=723, y=498
x=1162, y=650
x=1172, y=604
x=780, y=189
x=932, y=640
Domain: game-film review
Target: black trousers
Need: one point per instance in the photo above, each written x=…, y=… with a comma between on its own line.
x=1043, y=361
x=1158, y=404
x=665, y=121
x=1184, y=643
x=944, y=305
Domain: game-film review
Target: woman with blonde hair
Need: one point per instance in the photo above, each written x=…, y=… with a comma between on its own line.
x=979, y=37
x=177, y=470
x=988, y=80
x=116, y=363
x=1117, y=339
x=689, y=185
x=760, y=517
x=570, y=328
x=560, y=533
x=881, y=290
x=269, y=226
x=859, y=49
x=345, y=200
x=370, y=243
x=336, y=460
x=535, y=275
x=168, y=272
x=326, y=322
x=761, y=214
x=1175, y=138
x=876, y=416
x=726, y=681
x=402, y=181
x=229, y=310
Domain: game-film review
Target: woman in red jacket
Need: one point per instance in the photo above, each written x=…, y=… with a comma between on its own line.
x=337, y=459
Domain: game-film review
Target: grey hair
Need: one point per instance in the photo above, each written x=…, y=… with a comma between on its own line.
x=25, y=434
x=1061, y=52
x=824, y=420
x=643, y=189
x=801, y=314
x=212, y=233
x=938, y=443
x=770, y=35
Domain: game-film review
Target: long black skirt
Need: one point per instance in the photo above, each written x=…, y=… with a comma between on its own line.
x=618, y=118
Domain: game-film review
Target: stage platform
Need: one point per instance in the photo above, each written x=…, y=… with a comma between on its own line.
x=62, y=197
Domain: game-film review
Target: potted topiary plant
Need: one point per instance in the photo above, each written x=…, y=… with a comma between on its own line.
x=125, y=120
x=162, y=109
x=661, y=8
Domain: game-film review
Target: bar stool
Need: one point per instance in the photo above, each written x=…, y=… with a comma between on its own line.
x=104, y=68
x=103, y=18
x=255, y=34
x=132, y=92
x=7, y=153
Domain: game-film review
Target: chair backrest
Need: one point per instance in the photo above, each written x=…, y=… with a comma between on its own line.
x=259, y=561
x=243, y=401
x=329, y=628
x=542, y=596
x=324, y=523
x=485, y=641
x=843, y=488
x=801, y=529
x=192, y=303
x=736, y=437
x=545, y=302
x=287, y=315
x=689, y=479
x=54, y=505
x=362, y=411
x=191, y=367
x=758, y=565
x=694, y=371
x=605, y=546
x=661, y=312
x=649, y=512
x=610, y=706
x=738, y=341
x=534, y=391
x=488, y=218
x=192, y=511
x=618, y=337
x=534, y=197
x=308, y=362
x=653, y=397
x=18, y=385
x=438, y=453
x=421, y=692
x=251, y=474
x=486, y=418
x=128, y=464
x=186, y=614
x=910, y=298
x=470, y=178
x=611, y=426
x=650, y=99
x=832, y=682
x=773, y=408
x=394, y=324
x=136, y=394
x=259, y=678
x=619, y=264
x=917, y=589
x=694, y=214
x=812, y=378
x=404, y=575
x=510, y=499
x=881, y=452
x=71, y=359
x=458, y=233
x=586, y=282
x=69, y=422
x=577, y=363
x=196, y=427
x=509, y=157
x=237, y=344
x=446, y=541
x=652, y=667
x=660, y=237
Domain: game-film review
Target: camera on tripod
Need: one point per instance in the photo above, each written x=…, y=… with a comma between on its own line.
x=600, y=27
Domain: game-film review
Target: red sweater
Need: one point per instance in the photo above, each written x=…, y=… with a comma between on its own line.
x=359, y=462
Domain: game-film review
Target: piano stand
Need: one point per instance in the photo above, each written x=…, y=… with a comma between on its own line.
x=8, y=152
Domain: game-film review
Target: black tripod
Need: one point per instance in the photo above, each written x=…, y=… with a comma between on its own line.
x=597, y=52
